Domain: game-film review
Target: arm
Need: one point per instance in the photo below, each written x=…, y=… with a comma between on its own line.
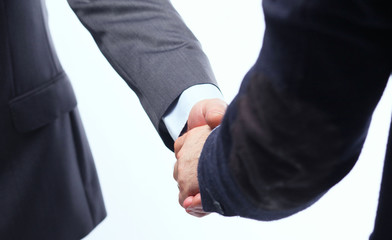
x=149, y=45
x=298, y=124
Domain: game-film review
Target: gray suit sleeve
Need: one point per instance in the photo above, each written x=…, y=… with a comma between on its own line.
x=151, y=48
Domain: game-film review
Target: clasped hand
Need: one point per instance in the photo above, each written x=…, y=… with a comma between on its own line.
x=204, y=116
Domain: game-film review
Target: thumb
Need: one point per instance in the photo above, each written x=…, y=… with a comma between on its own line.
x=214, y=111
x=207, y=112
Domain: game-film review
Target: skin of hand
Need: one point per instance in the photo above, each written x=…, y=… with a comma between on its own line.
x=192, y=205
x=188, y=148
x=206, y=112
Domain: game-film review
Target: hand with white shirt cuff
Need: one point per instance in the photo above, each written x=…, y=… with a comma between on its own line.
x=207, y=113
x=213, y=107
x=203, y=118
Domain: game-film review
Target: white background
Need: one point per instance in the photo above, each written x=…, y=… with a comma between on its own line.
x=135, y=168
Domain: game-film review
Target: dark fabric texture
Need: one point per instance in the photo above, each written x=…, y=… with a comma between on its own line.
x=49, y=187
x=149, y=45
x=33, y=109
x=298, y=123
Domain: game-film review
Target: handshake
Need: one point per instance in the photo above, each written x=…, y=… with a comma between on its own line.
x=203, y=118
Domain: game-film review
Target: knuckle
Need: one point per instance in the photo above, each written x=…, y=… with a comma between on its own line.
x=181, y=185
x=175, y=172
x=179, y=154
x=177, y=146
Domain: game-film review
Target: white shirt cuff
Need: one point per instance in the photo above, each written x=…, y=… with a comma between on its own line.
x=177, y=116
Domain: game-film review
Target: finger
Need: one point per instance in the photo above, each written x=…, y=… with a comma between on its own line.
x=196, y=203
x=181, y=198
x=195, y=211
x=193, y=204
x=187, y=202
x=197, y=214
x=175, y=171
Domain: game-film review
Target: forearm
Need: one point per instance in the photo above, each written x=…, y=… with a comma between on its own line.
x=151, y=48
x=299, y=122
x=273, y=163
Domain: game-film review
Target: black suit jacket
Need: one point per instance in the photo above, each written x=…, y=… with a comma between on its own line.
x=299, y=122
x=48, y=183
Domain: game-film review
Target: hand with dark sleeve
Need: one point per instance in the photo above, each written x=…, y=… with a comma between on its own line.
x=298, y=124
x=151, y=48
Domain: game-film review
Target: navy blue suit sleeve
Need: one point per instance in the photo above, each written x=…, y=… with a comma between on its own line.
x=298, y=124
